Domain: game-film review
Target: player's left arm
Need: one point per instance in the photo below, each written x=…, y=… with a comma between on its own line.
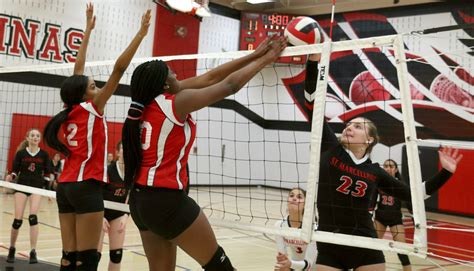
x=449, y=158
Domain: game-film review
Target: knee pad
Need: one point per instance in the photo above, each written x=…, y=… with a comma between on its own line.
x=87, y=260
x=71, y=258
x=219, y=262
x=33, y=219
x=116, y=255
x=17, y=223
x=404, y=259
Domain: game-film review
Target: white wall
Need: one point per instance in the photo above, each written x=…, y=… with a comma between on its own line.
x=252, y=154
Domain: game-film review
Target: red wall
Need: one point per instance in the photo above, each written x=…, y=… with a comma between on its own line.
x=168, y=42
x=21, y=123
x=456, y=195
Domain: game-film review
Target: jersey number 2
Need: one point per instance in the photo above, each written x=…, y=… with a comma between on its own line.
x=347, y=182
x=72, y=131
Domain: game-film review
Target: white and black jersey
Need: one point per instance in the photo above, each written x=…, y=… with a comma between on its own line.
x=302, y=255
x=31, y=168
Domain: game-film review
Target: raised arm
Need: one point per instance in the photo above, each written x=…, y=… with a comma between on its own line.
x=81, y=55
x=122, y=63
x=221, y=72
x=449, y=159
x=190, y=100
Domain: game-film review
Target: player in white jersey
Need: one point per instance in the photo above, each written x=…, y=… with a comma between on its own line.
x=294, y=254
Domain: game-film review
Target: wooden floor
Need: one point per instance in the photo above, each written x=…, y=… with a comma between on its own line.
x=248, y=251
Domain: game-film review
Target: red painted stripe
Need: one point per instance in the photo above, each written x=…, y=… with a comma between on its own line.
x=359, y=16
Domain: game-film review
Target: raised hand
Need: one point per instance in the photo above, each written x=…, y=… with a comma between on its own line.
x=276, y=47
x=145, y=23
x=449, y=158
x=263, y=47
x=90, y=17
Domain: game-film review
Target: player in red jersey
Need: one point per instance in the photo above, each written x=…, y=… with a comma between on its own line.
x=157, y=137
x=79, y=193
x=30, y=167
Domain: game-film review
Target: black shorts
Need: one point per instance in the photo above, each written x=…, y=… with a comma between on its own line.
x=165, y=212
x=17, y=191
x=112, y=214
x=389, y=220
x=34, y=184
x=346, y=257
x=80, y=197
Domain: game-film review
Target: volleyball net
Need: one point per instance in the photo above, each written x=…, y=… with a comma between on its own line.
x=253, y=147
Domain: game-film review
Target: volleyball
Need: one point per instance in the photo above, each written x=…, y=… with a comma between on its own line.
x=303, y=31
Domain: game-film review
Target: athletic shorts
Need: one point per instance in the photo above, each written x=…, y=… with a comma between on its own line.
x=34, y=184
x=17, y=191
x=346, y=257
x=165, y=212
x=80, y=197
x=112, y=214
x=389, y=220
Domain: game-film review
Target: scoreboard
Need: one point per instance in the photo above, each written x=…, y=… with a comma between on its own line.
x=256, y=27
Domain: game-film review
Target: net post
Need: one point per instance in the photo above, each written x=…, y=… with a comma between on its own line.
x=414, y=168
x=316, y=139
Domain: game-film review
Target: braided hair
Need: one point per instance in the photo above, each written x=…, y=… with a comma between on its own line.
x=147, y=83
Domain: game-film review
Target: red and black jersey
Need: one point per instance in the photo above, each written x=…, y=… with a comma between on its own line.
x=85, y=134
x=388, y=206
x=115, y=190
x=31, y=168
x=166, y=142
x=347, y=185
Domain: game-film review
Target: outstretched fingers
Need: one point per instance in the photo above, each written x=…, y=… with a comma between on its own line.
x=146, y=18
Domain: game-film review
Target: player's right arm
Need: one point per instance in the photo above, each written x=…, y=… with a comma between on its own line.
x=15, y=168
x=190, y=100
x=221, y=72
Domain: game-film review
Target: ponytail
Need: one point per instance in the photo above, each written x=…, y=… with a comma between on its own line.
x=51, y=132
x=131, y=142
x=72, y=91
x=22, y=145
x=147, y=83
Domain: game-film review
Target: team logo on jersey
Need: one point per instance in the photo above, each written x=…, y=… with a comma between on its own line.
x=32, y=167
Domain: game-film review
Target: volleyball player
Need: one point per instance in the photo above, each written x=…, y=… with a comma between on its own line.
x=348, y=180
x=388, y=213
x=155, y=162
x=294, y=254
x=31, y=167
x=115, y=222
x=79, y=194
